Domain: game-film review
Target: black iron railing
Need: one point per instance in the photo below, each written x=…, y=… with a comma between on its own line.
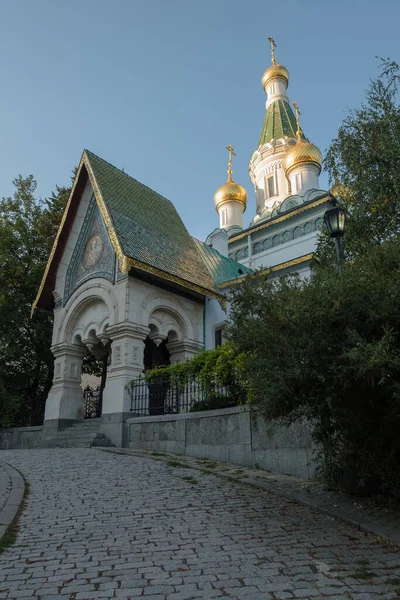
x=92, y=398
x=165, y=397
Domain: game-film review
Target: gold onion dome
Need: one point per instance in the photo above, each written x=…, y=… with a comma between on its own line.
x=304, y=152
x=230, y=191
x=275, y=71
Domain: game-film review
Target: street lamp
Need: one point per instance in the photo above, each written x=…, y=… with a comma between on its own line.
x=335, y=221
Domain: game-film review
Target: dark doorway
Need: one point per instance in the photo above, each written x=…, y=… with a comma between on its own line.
x=156, y=356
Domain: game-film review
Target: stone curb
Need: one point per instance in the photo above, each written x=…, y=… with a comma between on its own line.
x=344, y=514
x=7, y=515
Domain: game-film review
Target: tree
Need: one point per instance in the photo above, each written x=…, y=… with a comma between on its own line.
x=363, y=162
x=27, y=230
x=328, y=349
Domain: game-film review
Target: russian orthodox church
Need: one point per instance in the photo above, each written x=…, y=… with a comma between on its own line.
x=127, y=283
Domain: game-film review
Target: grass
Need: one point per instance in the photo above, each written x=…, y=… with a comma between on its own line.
x=175, y=463
x=10, y=536
x=209, y=464
x=158, y=454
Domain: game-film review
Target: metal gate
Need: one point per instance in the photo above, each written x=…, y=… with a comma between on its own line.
x=92, y=398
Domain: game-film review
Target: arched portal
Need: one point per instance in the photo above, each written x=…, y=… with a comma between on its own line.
x=83, y=330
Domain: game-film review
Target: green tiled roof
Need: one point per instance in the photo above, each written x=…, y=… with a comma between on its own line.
x=220, y=267
x=148, y=227
x=279, y=122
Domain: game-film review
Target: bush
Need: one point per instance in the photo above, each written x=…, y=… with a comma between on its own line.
x=328, y=349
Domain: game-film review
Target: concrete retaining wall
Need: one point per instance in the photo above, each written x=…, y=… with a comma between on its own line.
x=234, y=435
x=19, y=437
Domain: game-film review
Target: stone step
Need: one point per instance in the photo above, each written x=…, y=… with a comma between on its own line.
x=74, y=433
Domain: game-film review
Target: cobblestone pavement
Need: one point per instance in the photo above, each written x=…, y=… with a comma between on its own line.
x=5, y=486
x=106, y=525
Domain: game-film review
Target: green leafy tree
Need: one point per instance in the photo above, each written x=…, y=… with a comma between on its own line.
x=328, y=349
x=363, y=162
x=27, y=230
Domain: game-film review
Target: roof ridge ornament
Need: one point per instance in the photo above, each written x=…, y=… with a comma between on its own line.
x=299, y=131
x=273, y=46
x=231, y=151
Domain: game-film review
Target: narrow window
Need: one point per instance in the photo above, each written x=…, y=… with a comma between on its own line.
x=270, y=186
x=218, y=337
x=299, y=182
x=272, y=88
x=224, y=217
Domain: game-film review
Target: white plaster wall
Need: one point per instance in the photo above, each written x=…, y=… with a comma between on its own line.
x=231, y=214
x=276, y=90
x=146, y=303
x=309, y=177
x=215, y=317
x=283, y=253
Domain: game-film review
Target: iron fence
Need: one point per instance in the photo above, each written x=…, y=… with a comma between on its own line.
x=92, y=399
x=163, y=397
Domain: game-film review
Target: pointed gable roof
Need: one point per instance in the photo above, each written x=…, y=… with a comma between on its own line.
x=145, y=230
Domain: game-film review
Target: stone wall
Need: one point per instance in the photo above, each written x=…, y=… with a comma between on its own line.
x=234, y=435
x=19, y=437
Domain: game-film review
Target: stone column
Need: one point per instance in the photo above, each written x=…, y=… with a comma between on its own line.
x=127, y=349
x=65, y=404
x=181, y=351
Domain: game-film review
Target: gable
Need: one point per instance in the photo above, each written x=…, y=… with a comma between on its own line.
x=93, y=255
x=143, y=228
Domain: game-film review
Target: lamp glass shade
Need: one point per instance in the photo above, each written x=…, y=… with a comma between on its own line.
x=335, y=220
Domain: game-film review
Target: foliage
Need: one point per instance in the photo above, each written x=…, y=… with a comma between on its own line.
x=365, y=158
x=27, y=230
x=328, y=350
x=212, y=369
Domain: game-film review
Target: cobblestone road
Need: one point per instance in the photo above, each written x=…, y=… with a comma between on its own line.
x=102, y=525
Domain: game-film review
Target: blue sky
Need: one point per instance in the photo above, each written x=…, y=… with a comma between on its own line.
x=159, y=87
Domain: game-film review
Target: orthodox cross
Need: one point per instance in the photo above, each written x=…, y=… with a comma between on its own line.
x=273, y=46
x=231, y=151
x=298, y=113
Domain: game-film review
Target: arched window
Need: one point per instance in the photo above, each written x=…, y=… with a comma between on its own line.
x=242, y=253
x=258, y=247
x=277, y=240
x=318, y=223
x=287, y=236
x=308, y=227
x=267, y=244
x=298, y=232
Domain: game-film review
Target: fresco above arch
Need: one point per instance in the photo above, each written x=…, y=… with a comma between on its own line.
x=93, y=255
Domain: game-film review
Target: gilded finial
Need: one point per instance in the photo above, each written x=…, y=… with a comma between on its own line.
x=298, y=113
x=273, y=46
x=231, y=151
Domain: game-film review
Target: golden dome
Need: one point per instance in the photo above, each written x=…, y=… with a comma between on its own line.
x=302, y=153
x=275, y=71
x=230, y=192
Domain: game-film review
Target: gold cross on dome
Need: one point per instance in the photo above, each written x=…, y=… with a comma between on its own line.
x=298, y=113
x=273, y=46
x=231, y=151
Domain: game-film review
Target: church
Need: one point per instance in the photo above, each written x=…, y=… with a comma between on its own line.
x=126, y=282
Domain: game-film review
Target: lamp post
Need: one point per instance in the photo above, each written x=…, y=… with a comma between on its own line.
x=335, y=221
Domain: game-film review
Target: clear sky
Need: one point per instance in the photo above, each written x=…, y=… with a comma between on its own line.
x=159, y=87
